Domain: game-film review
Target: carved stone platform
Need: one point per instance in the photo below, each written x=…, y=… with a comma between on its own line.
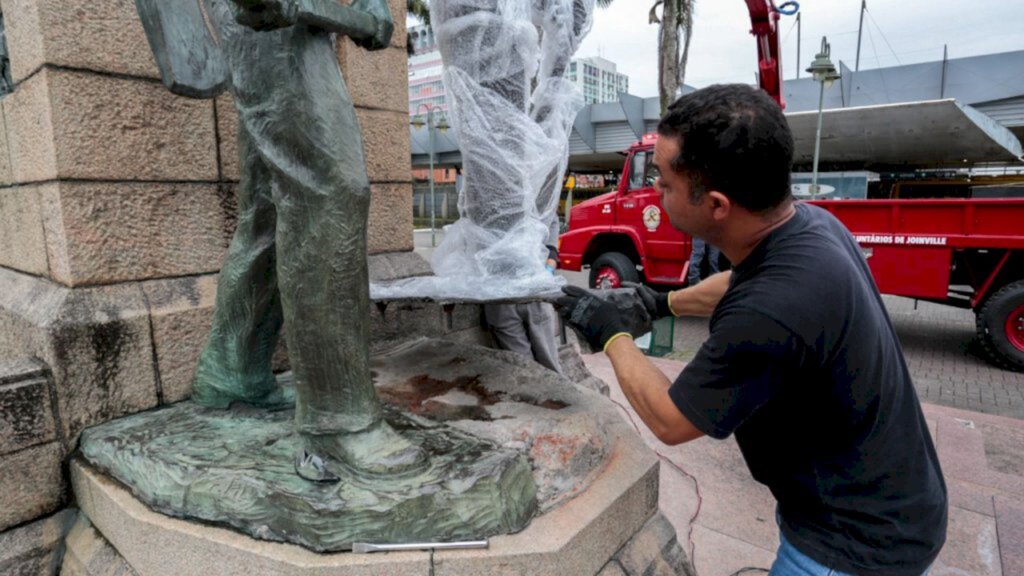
x=597, y=484
x=236, y=467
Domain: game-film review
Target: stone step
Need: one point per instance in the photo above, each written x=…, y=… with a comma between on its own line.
x=26, y=415
x=30, y=449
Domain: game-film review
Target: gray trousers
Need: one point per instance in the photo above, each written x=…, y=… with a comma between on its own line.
x=298, y=257
x=699, y=248
x=528, y=329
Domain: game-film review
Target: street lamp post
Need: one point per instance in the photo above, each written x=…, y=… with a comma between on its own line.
x=432, y=125
x=824, y=72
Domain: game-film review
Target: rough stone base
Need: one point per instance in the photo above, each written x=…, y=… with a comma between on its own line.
x=598, y=484
x=35, y=549
x=235, y=467
x=653, y=550
x=87, y=553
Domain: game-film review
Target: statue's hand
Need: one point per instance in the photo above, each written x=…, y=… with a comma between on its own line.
x=266, y=14
x=385, y=25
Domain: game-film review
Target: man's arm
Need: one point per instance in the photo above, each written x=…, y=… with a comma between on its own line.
x=646, y=388
x=700, y=300
x=368, y=22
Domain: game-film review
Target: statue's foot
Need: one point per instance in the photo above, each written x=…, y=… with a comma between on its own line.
x=313, y=468
x=377, y=450
x=280, y=398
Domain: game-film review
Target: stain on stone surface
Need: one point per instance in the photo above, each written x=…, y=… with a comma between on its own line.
x=23, y=409
x=418, y=395
x=548, y=403
x=108, y=341
x=555, y=448
x=93, y=356
x=228, y=202
x=190, y=291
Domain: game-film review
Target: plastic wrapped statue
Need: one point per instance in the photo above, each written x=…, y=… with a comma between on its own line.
x=512, y=110
x=299, y=253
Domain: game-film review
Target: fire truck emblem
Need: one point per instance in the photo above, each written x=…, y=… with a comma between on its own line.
x=652, y=217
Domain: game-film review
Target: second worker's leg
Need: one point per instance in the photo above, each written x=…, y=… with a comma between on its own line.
x=696, y=258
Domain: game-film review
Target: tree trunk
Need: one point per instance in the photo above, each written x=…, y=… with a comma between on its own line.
x=668, y=54
x=686, y=17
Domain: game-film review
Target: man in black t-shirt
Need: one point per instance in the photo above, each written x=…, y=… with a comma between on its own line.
x=802, y=363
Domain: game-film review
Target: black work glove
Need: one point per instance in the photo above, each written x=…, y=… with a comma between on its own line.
x=553, y=254
x=600, y=314
x=655, y=302
x=552, y=262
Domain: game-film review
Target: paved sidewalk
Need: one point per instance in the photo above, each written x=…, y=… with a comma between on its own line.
x=725, y=520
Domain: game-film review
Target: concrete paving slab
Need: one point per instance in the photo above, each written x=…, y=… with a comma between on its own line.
x=717, y=508
x=971, y=546
x=971, y=497
x=1010, y=528
x=720, y=554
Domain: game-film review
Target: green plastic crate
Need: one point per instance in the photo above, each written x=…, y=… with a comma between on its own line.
x=658, y=342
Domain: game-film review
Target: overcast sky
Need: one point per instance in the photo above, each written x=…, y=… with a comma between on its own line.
x=722, y=49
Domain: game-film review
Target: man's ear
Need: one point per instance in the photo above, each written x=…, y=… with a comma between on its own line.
x=720, y=204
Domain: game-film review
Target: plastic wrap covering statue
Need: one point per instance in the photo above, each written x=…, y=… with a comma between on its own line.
x=512, y=112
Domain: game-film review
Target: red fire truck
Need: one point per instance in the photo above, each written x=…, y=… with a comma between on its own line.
x=961, y=252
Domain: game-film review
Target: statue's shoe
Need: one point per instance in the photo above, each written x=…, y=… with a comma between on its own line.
x=313, y=468
x=280, y=398
x=378, y=450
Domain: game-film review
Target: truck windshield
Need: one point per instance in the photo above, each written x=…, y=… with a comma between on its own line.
x=642, y=171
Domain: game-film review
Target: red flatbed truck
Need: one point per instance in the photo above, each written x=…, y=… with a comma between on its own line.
x=967, y=253
x=960, y=252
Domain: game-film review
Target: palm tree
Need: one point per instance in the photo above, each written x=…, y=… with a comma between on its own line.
x=420, y=9
x=676, y=18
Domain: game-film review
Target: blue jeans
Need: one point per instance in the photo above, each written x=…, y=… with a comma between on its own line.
x=791, y=562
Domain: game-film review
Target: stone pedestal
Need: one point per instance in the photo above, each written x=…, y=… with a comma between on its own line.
x=116, y=207
x=597, y=485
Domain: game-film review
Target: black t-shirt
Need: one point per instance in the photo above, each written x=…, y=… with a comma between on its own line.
x=804, y=366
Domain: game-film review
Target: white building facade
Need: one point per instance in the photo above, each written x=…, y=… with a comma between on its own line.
x=425, y=84
x=598, y=79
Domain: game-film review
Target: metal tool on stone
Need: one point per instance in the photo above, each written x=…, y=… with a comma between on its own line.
x=367, y=548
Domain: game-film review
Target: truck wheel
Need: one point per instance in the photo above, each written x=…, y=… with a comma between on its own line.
x=1001, y=326
x=611, y=269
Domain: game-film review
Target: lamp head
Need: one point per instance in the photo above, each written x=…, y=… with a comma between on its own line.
x=822, y=69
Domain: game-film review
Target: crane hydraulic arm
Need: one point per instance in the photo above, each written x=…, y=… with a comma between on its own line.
x=764, y=18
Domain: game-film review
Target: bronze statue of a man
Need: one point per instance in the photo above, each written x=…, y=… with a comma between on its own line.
x=299, y=253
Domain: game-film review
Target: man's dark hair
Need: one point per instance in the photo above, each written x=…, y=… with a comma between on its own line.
x=733, y=138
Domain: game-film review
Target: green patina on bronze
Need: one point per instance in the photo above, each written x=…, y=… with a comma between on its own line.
x=234, y=467
x=298, y=258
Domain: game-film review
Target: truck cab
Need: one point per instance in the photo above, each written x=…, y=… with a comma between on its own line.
x=625, y=235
